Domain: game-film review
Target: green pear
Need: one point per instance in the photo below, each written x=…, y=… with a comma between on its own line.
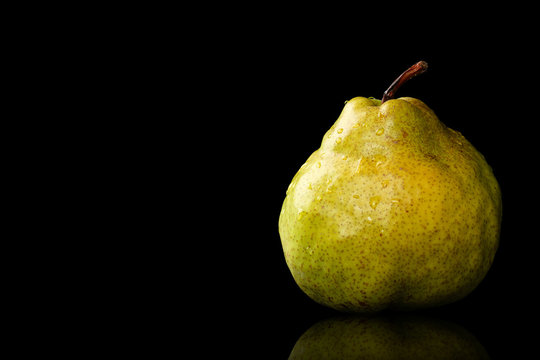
x=394, y=210
x=404, y=337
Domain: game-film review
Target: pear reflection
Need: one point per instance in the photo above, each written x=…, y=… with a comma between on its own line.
x=397, y=337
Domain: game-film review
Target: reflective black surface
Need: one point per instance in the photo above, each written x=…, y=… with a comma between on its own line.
x=387, y=337
x=276, y=325
x=256, y=308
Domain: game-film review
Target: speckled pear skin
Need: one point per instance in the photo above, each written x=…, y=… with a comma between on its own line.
x=378, y=338
x=395, y=210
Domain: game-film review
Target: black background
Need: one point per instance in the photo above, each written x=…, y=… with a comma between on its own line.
x=196, y=123
x=267, y=99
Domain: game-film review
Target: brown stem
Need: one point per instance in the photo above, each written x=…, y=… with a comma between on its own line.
x=408, y=74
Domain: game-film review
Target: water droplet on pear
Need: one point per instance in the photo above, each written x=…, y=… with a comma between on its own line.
x=374, y=201
x=379, y=159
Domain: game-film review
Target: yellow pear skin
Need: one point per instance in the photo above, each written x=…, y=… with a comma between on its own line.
x=395, y=210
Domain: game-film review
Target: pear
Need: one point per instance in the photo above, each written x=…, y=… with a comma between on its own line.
x=394, y=210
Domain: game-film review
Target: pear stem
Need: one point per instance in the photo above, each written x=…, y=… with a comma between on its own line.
x=408, y=74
